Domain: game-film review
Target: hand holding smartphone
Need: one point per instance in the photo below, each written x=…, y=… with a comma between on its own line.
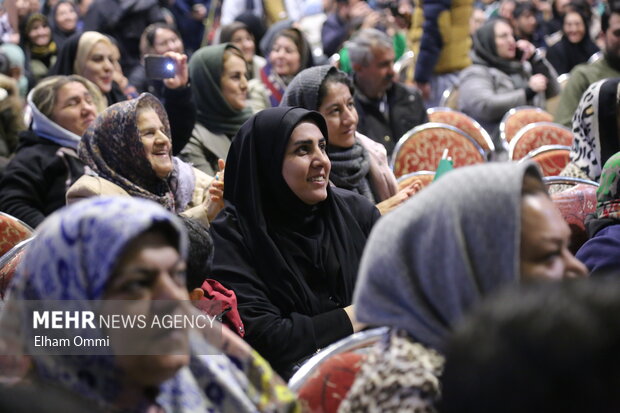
x=159, y=67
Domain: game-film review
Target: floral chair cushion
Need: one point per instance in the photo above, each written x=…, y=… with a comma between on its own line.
x=539, y=134
x=575, y=204
x=517, y=118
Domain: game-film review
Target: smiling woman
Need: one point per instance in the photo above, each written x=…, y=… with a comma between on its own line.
x=128, y=152
x=46, y=164
x=287, y=243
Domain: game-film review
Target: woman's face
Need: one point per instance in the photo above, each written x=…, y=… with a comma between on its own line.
x=338, y=109
x=285, y=57
x=244, y=42
x=74, y=108
x=167, y=41
x=151, y=269
x=99, y=67
x=157, y=145
x=574, y=28
x=234, y=82
x=66, y=17
x=545, y=238
x=40, y=34
x=306, y=166
x=505, y=43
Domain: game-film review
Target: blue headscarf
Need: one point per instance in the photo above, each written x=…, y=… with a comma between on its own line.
x=73, y=256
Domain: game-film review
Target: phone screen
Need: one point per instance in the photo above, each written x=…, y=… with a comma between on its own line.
x=159, y=67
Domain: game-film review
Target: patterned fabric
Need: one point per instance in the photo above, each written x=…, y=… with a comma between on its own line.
x=464, y=123
x=12, y=231
x=552, y=162
x=276, y=85
x=73, y=257
x=523, y=117
x=112, y=149
x=537, y=135
x=423, y=150
x=575, y=204
x=398, y=375
x=608, y=193
x=595, y=128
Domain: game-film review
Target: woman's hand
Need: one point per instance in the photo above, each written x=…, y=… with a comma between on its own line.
x=400, y=197
x=350, y=310
x=527, y=48
x=538, y=83
x=181, y=76
x=215, y=193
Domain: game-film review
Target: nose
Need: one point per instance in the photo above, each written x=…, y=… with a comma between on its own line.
x=243, y=84
x=348, y=115
x=161, y=138
x=167, y=289
x=573, y=267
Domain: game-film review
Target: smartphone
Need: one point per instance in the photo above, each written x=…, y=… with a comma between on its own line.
x=159, y=67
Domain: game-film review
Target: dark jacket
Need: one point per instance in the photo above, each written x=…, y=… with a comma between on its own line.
x=333, y=34
x=600, y=252
x=125, y=21
x=36, y=179
x=405, y=111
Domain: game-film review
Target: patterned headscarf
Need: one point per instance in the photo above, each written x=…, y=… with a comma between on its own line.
x=595, y=128
x=435, y=257
x=608, y=193
x=112, y=149
x=73, y=256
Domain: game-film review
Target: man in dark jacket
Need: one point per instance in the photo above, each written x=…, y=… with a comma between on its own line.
x=387, y=109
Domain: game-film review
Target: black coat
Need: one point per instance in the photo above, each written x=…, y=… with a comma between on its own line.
x=36, y=179
x=406, y=111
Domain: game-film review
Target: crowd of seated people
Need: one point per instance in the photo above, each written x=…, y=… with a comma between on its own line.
x=270, y=140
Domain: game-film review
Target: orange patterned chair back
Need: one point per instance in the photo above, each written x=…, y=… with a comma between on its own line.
x=464, y=123
x=426, y=177
x=539, y=134
x=551, y=158
x=12, y=232
x=8, y=264
x=575, y=204
x=421, y=148
x=517, y=118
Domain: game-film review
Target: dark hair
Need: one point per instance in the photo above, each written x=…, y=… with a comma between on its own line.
x=613, y=7
x=522, y=7
x=229, y=30
x=336, y=76
x=539, y=348
x=199, y=253
x=147, y=39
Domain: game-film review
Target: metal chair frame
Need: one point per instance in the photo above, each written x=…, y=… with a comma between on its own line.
x=527, y=128
x=485, y=135
x=502, y=124
x=352, y=342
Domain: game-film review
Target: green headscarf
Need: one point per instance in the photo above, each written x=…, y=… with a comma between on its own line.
x=213, y=111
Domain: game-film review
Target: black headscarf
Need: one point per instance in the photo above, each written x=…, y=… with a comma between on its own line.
x=293, y=247
x=59, y=35
x=565, y=55
x=486, y=51
x=65, y=62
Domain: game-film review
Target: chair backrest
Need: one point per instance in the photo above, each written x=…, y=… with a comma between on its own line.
x=12, y=232
x=551, y=158
x=450, y=98
x=422, y=147
x=575, y=204
x=517, y=118
x=538, y=134
x=595, y=57
x=426, y=177
x=8, y=264
x=403, y=65
x=358, y=342
x=464, y=123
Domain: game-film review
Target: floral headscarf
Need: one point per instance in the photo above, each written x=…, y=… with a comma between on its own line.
x=73, y=256
x=112, y=149
x=608, y=193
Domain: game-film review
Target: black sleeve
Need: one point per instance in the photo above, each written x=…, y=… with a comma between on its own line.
x=182, y=114
x=23, y=187
x=282, y=339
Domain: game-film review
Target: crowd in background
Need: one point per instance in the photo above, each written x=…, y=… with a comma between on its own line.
x=253, y=170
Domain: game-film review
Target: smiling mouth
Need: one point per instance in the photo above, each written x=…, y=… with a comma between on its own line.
x=319, y=179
